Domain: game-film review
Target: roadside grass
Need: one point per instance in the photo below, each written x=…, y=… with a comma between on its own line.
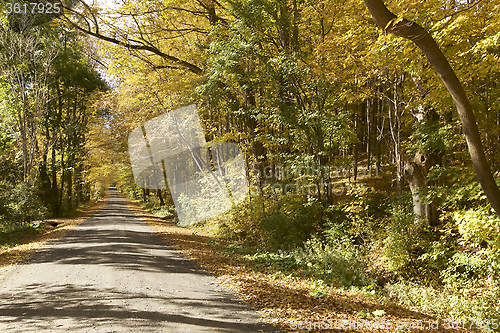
x=17, y=243
x=477, y=306
x=287, y=294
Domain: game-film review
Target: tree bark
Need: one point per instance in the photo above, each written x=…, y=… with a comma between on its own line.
x=415, y=172
x=369, y=148
x=160, y=197
x=355, y=149
x=417, y=180
x=412, y=31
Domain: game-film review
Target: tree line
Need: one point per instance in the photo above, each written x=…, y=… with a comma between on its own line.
x=318, y=83
x=47, y=87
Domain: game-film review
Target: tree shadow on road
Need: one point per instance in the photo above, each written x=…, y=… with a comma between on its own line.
x=43, y=306
x=116, y=237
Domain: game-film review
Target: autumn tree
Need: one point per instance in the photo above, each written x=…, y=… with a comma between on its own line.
x=412, y=31
x=24, y=64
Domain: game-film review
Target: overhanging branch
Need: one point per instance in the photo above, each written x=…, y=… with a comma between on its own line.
x=137, y=45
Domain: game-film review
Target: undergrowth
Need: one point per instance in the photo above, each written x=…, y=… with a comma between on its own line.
x=10, y=235
x=337, y=265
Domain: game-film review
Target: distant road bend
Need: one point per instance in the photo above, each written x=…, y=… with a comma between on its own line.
x=112, y=274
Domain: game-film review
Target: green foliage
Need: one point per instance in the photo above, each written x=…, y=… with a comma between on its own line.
x=469, y=269
x=432, y=137
x=164, y=212
x=20, y=203
x=10, y=168
x=459, y=303
x=358, y=218
x=338, y=225
x=125, y=182
x=290, y=221
x=339, y=264
x=400, y=239
x=285, y=222
x=279, y=261
x=241, y=224
x=462, y=189
x=25, y=203
x=478, y=226
x=319, y=289
x=4, y=202
x=414, y=252
x=12, y=235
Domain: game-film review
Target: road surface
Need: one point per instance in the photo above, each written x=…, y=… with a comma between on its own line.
x=112, y=274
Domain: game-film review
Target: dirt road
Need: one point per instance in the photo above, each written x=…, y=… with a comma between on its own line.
x=112, y=274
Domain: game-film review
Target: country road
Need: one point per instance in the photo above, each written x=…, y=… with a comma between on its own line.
x=113, y=274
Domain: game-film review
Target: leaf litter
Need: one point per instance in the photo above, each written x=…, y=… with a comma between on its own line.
x=292, y=303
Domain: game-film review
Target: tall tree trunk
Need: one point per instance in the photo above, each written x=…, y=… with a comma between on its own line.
x=412, y=31
x=321, y=177
x=416, y=172
x=24, y=138
x=379, y=134
x=417, y=180
x=69, y=182
x=487, y=140
x=160, y=197
x=54, y=195
x=369, y=115
x=78, y=185
x=63, y=177
x=45, y=181
x=355, y=149
x=258, y=149
x=495, y=167
x=395, y=129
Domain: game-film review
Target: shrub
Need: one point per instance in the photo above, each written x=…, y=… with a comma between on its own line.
x=4, y=209
x=464, y=189
x=26, y=203
x=338, y=264
x=415, y=252
x=458, y=303
x=358, y=217
x=335, y=263
x=21, y=203
x=480, y=225
x=13, y=235
x=470, y=269
x=399, y=240
x=290, y=222
x=273, y=224
x=241, y=224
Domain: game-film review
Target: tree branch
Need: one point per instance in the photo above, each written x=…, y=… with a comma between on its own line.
x=137, y=46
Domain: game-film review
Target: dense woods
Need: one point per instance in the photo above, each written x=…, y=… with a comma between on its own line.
x=47, y=90
x=371, y=139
